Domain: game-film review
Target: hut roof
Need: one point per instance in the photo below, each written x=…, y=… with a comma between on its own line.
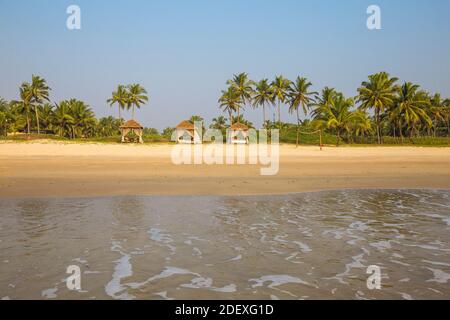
x=186, y=125
x=239, y=126
x=131, y=124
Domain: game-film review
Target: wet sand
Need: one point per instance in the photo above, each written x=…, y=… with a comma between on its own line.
x=52, y=169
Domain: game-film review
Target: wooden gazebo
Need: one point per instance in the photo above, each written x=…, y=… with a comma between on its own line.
x=238, y=134
x=132, y=126
x=187, y=133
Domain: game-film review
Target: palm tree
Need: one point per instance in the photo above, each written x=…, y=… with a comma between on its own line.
x=362, y=125
x=25, y=99
x=436, y=111
x=218, y=123
x=410, y=107
x=447, y=115
x=244, y=88
x=38, y=94
x=300, y=96
x=83, y=119
x=263, y=95
x=280, y=89
x=46, y=115
x=336, y=115
x=379, y=94
x=120, y=96
x=62, y=119
x=137, y=96
x=230, y=102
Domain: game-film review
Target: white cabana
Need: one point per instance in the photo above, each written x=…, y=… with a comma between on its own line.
x=238, y=134
x=187, y=133
x=132, y=126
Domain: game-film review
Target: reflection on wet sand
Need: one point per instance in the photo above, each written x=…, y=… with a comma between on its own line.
x=305, y=246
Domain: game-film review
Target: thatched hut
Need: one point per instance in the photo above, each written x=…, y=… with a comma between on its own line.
x=187, y=133
x=238, y=134
x=134, y=127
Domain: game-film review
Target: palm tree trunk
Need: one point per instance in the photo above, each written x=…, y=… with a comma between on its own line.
x=338, y=133
x=378, y=125
x=37, y=119
x=120, y=117
x=264, y=115
x=133, y=113
x=279, y=114
x=298, y=128
x=400, y=131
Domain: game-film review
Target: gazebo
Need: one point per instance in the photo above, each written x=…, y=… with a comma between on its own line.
x=238, y=134
x=131, y=126
x=187, y=133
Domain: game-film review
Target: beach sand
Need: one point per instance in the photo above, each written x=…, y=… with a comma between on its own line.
x=55, y=169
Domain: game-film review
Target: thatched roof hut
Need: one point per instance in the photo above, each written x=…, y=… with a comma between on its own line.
x=187, y=133
x=238, y=134
x=132, y=126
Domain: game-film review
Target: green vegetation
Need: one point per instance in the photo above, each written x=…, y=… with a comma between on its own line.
x=382, y=112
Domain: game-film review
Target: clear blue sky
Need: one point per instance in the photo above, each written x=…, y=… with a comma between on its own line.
x=183, y=51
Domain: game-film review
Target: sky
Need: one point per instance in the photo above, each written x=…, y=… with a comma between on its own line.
x=184, y=51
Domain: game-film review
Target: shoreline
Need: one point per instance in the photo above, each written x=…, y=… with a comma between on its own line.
x=52, y=170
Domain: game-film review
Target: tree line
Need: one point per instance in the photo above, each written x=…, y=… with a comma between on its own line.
x=33, y=112
x=382, y=107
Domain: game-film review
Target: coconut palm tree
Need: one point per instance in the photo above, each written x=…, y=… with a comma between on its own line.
x=379, y=94
x=280, y=90
x=46, y=115
x=25, y=100
x=436, y=111
x=299, y=95
x=362, y=125
x=263, y=95
x=137, y=96
x=120, y=96
x=39, y=92
x=218, y=123
x=244, y=88
x=83, y=119
x=230, y=102
x=447, y=115
x=336, y=115
x=410, y=108
x=62, y=119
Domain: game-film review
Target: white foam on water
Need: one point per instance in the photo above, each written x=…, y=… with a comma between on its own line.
x=163, y=295
x=166, y=273
x=382, y=245
x=6, y=298
x=276, y=280
x=226, y=289
x=356, y=263
x=196, y=252
x=49, y=293
x=303, y=247
x=237, y=258
x=437, y=263
x=406, y=296
x=122, y=269
x=439, y=276
x=159, y=236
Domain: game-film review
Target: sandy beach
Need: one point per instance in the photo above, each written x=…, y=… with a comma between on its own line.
x=55, y=169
